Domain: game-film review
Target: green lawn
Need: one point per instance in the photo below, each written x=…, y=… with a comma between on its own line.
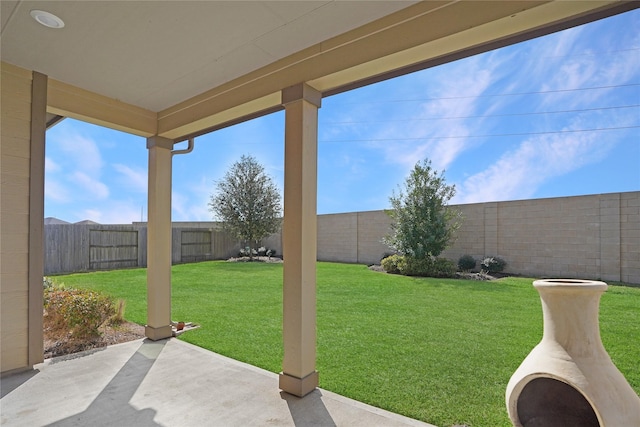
x=438, y=350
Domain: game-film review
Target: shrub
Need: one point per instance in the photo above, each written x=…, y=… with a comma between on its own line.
x=493, y=264
x=386, y=255
x=247, y=251
x=423, y=267
x=76, y=311
x=422, y=223
x=410, y=266
x=390, y=264
x=427, y=267
x=443, y=267
x=466, y=263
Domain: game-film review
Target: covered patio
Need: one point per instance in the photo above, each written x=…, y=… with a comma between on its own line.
x=171, y=383
x=170, y=72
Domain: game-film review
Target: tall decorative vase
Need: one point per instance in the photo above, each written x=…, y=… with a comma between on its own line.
x=568, y=379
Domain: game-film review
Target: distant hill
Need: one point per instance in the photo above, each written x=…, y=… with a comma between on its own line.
x=52, y=220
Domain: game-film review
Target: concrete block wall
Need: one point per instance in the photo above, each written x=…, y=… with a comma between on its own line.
x=590, y=237
x=338, y=237
x=630, y=237
x=545, y=237
x=353, y=237
x=372, y=228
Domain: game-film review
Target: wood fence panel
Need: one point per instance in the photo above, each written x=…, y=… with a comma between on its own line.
x=223, y=246
x=66, y=247
x=113, y=249
x=142, y=246
x=195, y=245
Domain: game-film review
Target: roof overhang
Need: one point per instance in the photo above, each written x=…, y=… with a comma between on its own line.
x=395, y=40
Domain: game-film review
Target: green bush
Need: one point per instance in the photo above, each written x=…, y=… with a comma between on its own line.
x=466, y=263
x=386, y=255
x=443, y=267
x=79, y=312
x=390, y=264
x=48, y=282
x=424, y=267
x=493, y=264
x=410, y=266
x=427, y=267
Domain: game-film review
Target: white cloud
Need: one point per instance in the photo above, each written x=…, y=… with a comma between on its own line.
x=50, y=166
x=450, y=92
x=518, y=174
x=567, y=60
x=79, y=163
x=115, y=212
x=55, y=191
x=93, y=187
x=179, y=207
x=192, y=206
x=83, y=152
x=134, y=179
x=578, y=58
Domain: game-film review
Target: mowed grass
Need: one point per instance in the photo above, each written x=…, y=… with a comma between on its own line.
x=437, y=350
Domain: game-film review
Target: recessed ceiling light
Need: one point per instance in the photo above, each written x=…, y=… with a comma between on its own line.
x=47, y=19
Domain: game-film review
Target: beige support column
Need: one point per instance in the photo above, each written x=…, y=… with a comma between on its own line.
x=159, y=239
x=299, y=239
x=36, y=216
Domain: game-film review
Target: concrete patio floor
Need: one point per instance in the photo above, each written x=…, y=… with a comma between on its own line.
x=170, y=383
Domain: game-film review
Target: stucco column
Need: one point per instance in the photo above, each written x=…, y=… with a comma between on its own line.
x=159, y=239
x=299, y=239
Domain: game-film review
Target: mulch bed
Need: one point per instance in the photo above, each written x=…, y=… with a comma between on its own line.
x=61, y=344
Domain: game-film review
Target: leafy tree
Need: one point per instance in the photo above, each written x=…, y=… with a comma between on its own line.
x=423, y=225
x=247, y=202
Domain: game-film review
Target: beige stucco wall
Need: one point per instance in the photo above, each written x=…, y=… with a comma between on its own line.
x=592, y=237
x=15, y=129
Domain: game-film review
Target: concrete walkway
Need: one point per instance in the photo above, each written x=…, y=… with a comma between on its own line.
x=170, y=383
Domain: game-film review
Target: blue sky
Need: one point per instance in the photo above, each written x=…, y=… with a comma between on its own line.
x=554, y=116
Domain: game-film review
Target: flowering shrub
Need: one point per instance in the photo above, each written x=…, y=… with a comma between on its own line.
x=80, y=312
x=493, y=264
x=246, y=251
x=261, y=251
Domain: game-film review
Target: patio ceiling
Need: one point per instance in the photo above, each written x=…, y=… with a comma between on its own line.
x=182, y=68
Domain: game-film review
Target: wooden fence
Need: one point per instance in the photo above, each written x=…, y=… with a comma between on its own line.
x=88, y=247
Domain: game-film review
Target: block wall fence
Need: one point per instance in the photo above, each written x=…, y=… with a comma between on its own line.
x=587, y=237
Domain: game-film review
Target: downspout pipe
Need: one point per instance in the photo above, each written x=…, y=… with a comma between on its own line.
x=186, y=150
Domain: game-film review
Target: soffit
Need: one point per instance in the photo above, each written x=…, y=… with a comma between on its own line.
x=423, y=35
x=155, y=54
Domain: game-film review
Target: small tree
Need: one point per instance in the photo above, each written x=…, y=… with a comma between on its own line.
x=423, y=225
x=247, y=202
